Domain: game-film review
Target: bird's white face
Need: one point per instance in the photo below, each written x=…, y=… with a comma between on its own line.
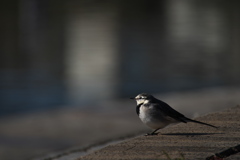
x=141, y=99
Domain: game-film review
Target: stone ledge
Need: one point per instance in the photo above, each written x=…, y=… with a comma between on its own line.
x=191, y=140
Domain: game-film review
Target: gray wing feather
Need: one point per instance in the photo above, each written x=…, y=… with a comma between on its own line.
x=169, y=111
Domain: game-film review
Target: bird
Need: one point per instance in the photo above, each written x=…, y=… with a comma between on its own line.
x=157, y=114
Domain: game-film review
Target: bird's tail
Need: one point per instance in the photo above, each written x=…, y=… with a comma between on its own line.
x=191, y=120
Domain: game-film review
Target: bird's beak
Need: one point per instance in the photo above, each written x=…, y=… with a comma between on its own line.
x=132, y=98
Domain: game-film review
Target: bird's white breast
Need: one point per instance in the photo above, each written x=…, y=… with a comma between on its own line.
x=151, y=119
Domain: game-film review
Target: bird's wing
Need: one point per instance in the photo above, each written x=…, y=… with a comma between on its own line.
x=169, y=111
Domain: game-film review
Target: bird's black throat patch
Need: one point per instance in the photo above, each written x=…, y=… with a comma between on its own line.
x=138, y=108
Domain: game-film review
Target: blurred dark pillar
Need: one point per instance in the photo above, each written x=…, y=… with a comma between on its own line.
x=9, y=33
x=32, y=49
x=142, y=40
x=42, y=31
x=233, y=65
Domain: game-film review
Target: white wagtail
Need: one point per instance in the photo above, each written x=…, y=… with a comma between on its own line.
x=157, y=114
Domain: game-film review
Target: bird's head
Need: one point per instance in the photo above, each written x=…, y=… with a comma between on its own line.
x=143, y=98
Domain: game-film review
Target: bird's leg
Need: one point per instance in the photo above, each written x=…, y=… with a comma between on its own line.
x=153, y=133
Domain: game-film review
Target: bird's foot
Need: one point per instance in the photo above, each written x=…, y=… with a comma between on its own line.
x=151, y=134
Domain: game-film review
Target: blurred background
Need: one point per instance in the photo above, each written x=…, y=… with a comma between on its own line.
x=59, y=57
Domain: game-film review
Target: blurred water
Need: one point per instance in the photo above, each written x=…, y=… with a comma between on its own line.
x=22, y=91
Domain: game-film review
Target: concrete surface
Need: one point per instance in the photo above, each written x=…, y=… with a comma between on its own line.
x=55, y=134
x=187, y=141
